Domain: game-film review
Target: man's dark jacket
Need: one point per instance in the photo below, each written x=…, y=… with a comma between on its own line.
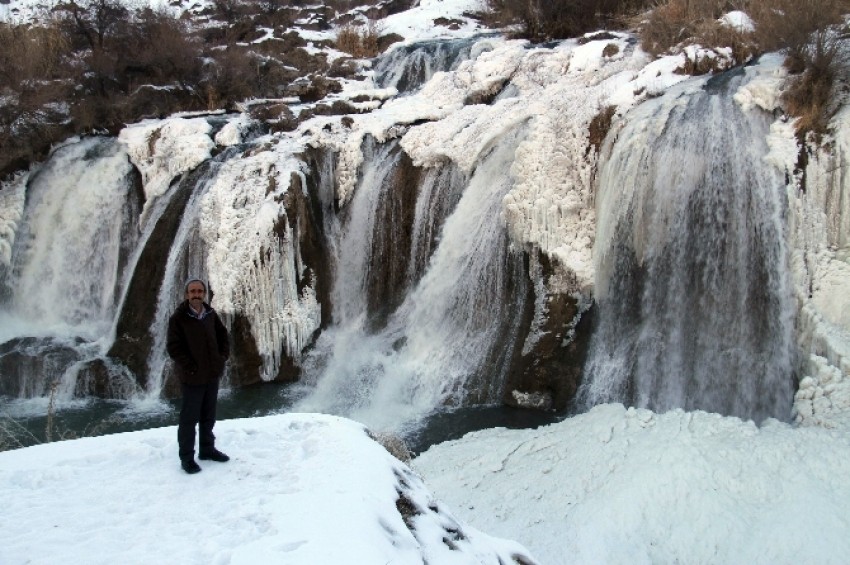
x=199, y=347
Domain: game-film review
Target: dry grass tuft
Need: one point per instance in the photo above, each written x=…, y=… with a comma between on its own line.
x=599, y=127
x=359, y=40
x=544, y=20
x=807, y=31
x=809, y=94
x=675, y=23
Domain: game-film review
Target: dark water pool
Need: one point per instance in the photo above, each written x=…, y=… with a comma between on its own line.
x=24, y=423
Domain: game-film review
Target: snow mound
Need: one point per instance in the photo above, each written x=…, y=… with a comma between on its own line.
x=305, y=489
x=630, y=486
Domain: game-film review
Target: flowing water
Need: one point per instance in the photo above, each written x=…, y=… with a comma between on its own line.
x=66, y=269
x=695, y=302
x=447, y=341
x=407, y=67
x=67, y=261
x=185, y=259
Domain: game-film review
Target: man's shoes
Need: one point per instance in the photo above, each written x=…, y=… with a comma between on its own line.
x=213, y=455
x=190, y=466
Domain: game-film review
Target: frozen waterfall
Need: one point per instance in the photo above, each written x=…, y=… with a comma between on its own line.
x=65, y=269
x=456, y=304
x=407, y=67
x=695, y=300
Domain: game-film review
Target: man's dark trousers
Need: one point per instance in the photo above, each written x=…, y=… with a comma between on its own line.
x=199, y=402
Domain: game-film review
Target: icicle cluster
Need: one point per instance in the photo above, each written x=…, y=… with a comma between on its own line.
x=253, y=255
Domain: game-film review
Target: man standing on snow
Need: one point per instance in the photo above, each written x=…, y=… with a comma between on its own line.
x=198, y=343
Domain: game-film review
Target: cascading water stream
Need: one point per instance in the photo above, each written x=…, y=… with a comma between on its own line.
x=65, y=272
x=67, y=266
x=449, y=340
x=695, y=303
x=186, y=257
x=408, y=67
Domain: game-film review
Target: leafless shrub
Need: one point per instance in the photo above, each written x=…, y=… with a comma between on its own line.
x=809, y=94
x=160, y=50
x=101, y=64
x=35, y=77
x=599, y=126
x=228, y=77
x=360, y=41
x=14, y=435
x=96, y=21
x=804, y=29
x=807, y=31
x=31, y=53
x=544, y=20
x=715, y=35
x=789, y=24
x=672, y=23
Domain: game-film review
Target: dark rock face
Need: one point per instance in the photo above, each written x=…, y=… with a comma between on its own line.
x=320, y=204
x=385, y=41
x=133, y=340
x=547, y=376
x=102, y=379
x=313, y=88
x=388, y=7
x=392, y=240
x=29, y=366
x=305, y=221
x=245, y=362
x=344, y=67
x=277, y=116
x=150, y=102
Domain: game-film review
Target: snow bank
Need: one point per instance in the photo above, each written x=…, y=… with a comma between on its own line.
x=299, y=489
x=738, y=20
x=419, y=22
x=630, y=486
x=765, y=88
x=823, y=398
x=819, y=232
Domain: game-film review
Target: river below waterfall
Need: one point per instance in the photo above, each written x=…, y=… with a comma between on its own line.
x=28, y=419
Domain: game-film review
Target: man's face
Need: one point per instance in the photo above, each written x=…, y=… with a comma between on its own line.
x=195, y=294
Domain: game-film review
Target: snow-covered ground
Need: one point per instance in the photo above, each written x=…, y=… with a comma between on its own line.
x=629, y=486
x=610, y=486
x=305, y=489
